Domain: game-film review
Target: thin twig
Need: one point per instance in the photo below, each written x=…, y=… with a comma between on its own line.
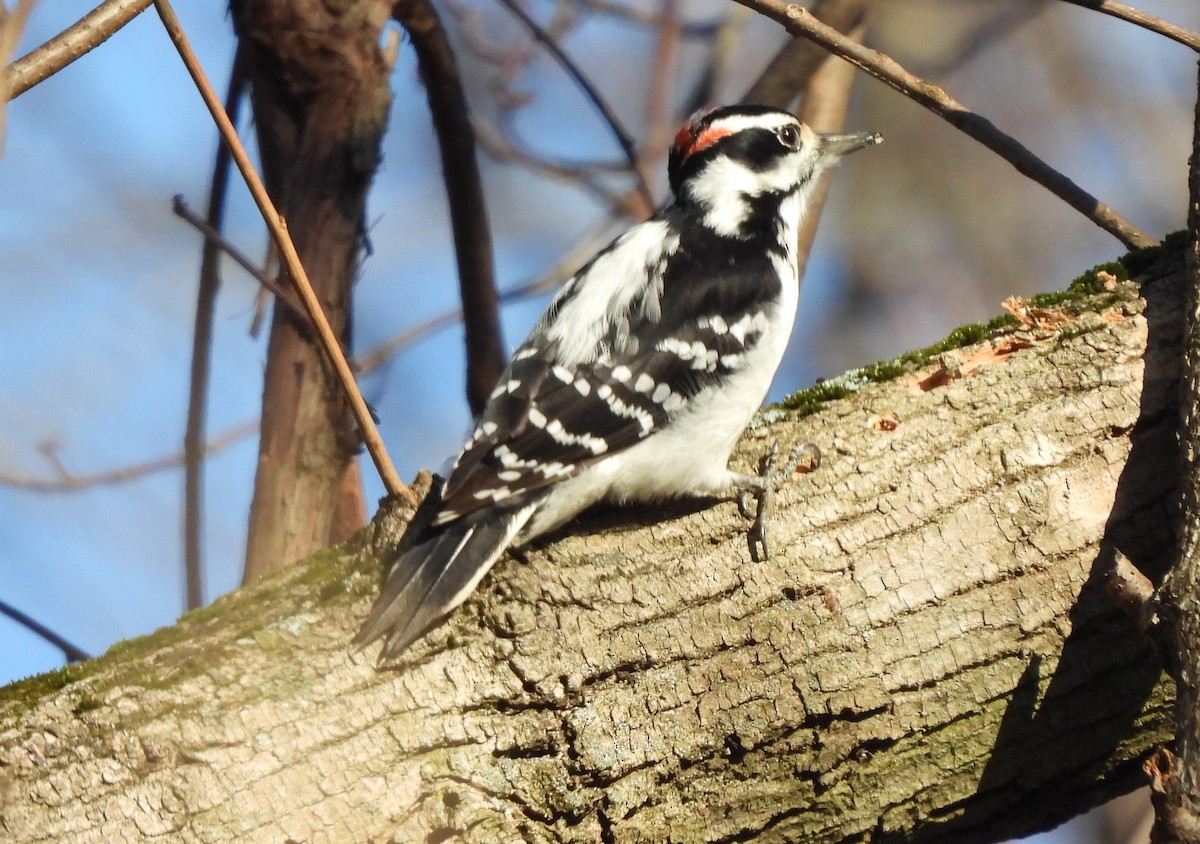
x=1132, y=591
x=1142, y=19
x=702, y=30
x=502, y=148
x=70, y=651
x=464, y=193
x=590, y=91
x=799, y=21
x=1003, y=22
x=89, y=32
x=278, y=228
x=65, y=481
x=69, y=482
x=206, y=301
x=212, y=236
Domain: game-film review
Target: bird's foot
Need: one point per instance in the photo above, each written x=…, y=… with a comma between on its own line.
x=771, y=476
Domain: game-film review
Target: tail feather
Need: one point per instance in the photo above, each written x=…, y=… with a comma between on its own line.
x=429, y=580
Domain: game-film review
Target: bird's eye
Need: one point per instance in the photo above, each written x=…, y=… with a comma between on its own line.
x=789, y=136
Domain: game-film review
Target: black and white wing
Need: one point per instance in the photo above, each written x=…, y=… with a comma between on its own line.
x=580, y=389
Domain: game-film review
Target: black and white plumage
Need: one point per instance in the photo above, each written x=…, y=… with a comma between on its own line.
x=644, y=370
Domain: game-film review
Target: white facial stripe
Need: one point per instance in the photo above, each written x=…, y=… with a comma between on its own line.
x=739, y=122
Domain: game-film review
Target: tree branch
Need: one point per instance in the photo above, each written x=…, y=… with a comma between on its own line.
x=593, y=95
x=89, y=32
x=464, y=192
x=1144, y=20
x=919, y=656
x=798, y=21
x=71, y=482
x=212, y=236
x=70, y=652
x=278, y=228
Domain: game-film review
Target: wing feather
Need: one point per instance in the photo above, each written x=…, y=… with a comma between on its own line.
x=553, y=414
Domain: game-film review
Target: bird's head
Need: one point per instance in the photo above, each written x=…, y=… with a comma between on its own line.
x=728, y=160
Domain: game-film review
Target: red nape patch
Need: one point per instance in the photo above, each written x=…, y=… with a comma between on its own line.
x=685, y=136
x=704, y=139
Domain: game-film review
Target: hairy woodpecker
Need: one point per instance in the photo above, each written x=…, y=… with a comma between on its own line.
x=642, y=373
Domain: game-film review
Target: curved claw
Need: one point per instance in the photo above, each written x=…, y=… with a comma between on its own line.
x=743, y=504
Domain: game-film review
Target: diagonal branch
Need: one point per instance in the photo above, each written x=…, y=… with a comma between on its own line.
x=70, y=651
x=464, y=193
x=89, y=32
x=278, y=228
x=70, y=482
x=211, y=235
x=799, y=21
x=1142, y=19
x=593, y=95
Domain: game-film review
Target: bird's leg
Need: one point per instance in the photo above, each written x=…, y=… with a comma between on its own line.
x=804, y=457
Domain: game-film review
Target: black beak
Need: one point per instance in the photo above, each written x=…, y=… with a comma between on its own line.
x=835, y=146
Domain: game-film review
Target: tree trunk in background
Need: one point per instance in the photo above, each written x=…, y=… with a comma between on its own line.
x=321, y=99
x=928, y=654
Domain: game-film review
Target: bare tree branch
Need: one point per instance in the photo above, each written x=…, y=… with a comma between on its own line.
x=593, y=95
x=500, y=146
x=1144, y=20
x=206, y=299
x=66, y=481
x=464, y=192
x=92, y=30
x=799, y=21
x=70, y=482
x=1000, y=23
x=211, y=235
x=70, y=651
x=278, y=228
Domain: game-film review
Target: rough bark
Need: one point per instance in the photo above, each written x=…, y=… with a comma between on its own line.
x=1175, y=775
x=321, y=99
x=928, y=654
